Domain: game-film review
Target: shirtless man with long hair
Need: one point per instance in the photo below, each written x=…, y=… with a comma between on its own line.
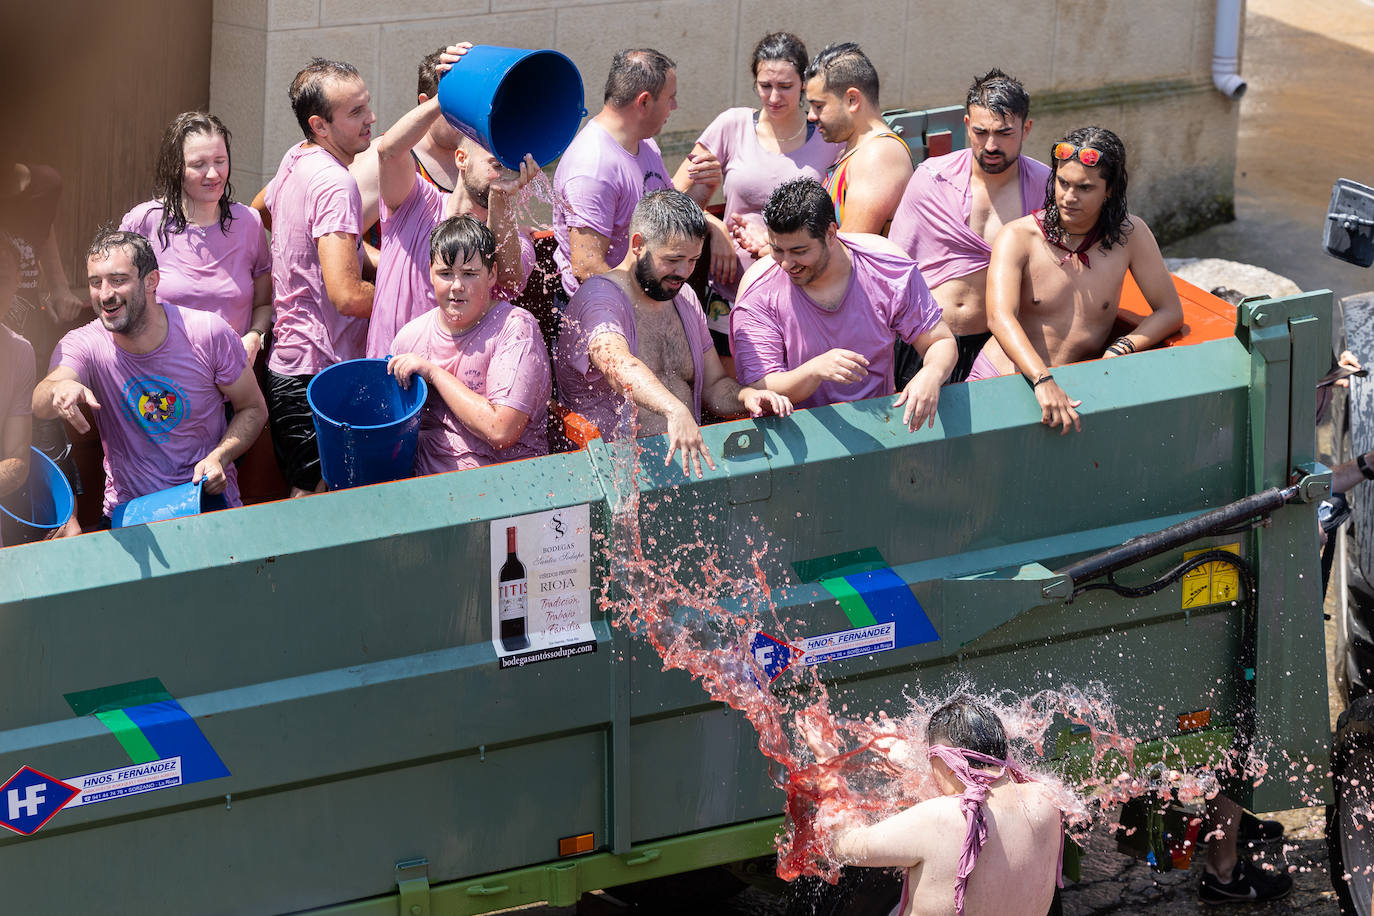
x=1054, y=283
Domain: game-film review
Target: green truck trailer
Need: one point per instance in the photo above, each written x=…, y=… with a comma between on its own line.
x=312, y=704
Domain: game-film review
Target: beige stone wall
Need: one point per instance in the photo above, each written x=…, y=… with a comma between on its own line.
x=1141, y=67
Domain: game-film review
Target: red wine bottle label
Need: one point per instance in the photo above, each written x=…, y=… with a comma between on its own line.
x=512, y=599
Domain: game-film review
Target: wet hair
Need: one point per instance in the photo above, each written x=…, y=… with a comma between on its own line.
x=427, y=76
x=636, y=70
x=802, y=203
x=108, y=239
x=307, y=92
x=1114, y=222
x=663, y=215
x=171, y=167
x=964, y=722
x=1000, y=94
x=843, y=67
x=458, y=238
x=780, y=46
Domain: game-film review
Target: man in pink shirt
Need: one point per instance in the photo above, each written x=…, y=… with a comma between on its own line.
x=611, y=164
x=321, y=300
x=637, y=333
x=483, y=359
x=411, y=207
x=156, y=378
x=817, y=322
x=955, y=205
x=16, y=383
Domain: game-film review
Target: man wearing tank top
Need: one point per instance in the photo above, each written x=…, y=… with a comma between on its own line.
x=867, y=179
x=612, y=163
x=955, y=205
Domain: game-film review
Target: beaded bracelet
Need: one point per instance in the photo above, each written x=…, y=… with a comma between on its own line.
x=1121, y=346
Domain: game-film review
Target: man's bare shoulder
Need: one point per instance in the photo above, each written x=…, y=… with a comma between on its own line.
x=886, y=157
x=1140, y=235
x=939, y=813
x=1018, y=235
x=752, y=276
x=365, y=163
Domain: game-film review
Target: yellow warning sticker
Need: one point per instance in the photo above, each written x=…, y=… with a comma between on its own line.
x=1211, y=583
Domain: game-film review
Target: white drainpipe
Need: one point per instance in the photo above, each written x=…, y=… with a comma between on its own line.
x=1226, y=50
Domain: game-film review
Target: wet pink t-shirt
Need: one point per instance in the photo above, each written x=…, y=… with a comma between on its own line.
x=311, y=196
x=601, y=307
x=752, y=173
x=931, y=222
x=160, y=412
x=503, y=359
x=206, y=267
x=776, y=327
x=17, y=373
x=601, y=183
x=404, y=291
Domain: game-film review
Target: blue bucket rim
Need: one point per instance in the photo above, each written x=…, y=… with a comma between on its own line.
x=119, y=514
x=54, y=471
x=416, y=380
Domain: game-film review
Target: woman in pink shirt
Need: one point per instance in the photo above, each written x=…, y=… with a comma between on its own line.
x=747, y=154
x=212, y=253
x=483, y=359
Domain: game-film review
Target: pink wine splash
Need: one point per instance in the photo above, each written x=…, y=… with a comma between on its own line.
x=701, y=612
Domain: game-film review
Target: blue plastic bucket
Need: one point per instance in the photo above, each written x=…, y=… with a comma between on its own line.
x=45, y=502
x=366, y=424
x=513, y=101
x=174, y=502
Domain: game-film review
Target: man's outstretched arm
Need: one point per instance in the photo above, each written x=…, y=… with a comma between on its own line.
x=610, y=354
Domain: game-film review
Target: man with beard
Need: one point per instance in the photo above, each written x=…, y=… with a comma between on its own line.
x=867, y=180
x=412, y=207
x=1054, y=282
x=637, y=334
x=155, y=377
x=817, y=322
x=321, y=300
x=955, y=205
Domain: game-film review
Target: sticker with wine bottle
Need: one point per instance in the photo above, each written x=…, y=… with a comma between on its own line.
x=541, y=602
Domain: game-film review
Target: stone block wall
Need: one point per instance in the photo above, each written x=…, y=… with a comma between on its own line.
x=1140, y=67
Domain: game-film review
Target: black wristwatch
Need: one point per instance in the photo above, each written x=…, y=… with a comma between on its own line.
x=1365, y=470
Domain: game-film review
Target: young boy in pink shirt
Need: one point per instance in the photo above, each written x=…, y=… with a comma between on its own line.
x=483, y=359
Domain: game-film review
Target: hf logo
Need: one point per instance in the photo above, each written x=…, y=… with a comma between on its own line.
x=29, y=799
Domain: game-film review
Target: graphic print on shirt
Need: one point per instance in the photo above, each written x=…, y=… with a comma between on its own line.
x=155, y=404
x=650, y=175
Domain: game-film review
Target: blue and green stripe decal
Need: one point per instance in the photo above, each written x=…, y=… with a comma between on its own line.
x=151, y=725
x=869, y=593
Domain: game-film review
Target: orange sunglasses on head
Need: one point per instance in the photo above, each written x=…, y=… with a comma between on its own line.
x=1086, y=154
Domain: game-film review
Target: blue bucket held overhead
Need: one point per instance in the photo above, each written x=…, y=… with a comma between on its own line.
x=366, y=424
x=513, y=101
x=174, y=502
x=44, y=503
